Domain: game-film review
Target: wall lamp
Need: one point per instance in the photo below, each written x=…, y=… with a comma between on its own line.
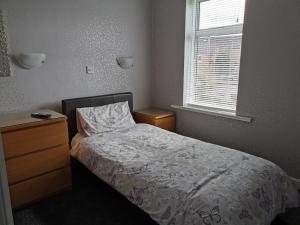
x=30, y=60
x=125, y=62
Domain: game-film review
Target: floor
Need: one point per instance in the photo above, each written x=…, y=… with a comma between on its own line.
x=91, y=202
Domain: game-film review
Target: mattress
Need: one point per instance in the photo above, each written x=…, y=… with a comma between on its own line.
x=183, y=181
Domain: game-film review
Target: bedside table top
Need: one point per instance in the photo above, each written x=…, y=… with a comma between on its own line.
x=155, y=113
x=22, y=118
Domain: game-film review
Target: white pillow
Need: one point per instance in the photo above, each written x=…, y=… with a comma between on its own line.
x=102, y=119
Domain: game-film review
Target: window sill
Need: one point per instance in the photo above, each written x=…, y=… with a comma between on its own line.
x=217, y=113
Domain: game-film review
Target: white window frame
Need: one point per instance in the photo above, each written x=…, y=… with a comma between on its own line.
x=190, y=23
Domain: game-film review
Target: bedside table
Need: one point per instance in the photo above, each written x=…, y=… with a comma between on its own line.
x=36, y=155
x=156, y=117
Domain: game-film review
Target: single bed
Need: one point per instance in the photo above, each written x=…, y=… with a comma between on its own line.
x=179, y=180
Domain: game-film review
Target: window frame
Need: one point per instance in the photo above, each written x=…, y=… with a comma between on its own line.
x=192, y=27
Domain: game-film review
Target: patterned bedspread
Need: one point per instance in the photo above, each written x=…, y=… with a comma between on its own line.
x=182, y=181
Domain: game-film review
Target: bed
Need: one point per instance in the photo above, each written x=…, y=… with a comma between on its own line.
x=179, y=180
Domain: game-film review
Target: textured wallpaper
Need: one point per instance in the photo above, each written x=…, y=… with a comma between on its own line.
x=73, y=35
x=5, y=69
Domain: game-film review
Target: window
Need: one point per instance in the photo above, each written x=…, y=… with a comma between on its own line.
x=212, y=54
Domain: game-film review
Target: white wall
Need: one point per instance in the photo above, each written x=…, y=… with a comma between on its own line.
x=73, y=34
x=269, y=87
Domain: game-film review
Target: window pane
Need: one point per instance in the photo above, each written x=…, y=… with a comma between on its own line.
x=214, y=61
x=216, y=72
x=220, y=13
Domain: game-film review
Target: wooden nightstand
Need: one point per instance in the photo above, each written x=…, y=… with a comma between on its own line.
x=156, y=117
x=36, y=155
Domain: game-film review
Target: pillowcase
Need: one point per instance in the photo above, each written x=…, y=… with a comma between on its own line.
x=102, y=119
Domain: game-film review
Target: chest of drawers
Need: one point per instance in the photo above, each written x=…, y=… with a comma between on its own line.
x=36, y=155
x=156, y=117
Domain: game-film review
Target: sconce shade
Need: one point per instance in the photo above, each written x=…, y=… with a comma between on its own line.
x=30, y=60
x=125, y=62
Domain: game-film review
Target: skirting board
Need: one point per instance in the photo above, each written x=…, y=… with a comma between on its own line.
x=296, y=182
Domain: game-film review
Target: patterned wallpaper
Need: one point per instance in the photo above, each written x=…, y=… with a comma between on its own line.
x=5, y=69
x=73, y=35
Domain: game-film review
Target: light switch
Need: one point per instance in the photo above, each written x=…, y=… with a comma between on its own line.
x=90, y=69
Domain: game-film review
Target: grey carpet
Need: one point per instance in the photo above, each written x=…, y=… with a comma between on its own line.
x=91, y=202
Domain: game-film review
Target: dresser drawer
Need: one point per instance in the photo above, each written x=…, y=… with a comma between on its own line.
x=167, y=123
x=31, y=165
x=140, y=118
x=23, y=141
x=157, y=117
x=39, y=187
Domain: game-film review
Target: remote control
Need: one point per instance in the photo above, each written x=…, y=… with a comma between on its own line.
x=40, y=115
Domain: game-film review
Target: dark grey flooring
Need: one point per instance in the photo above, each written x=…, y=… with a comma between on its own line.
x=91, y=202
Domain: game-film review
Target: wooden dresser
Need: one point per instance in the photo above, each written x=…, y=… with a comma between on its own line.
x=156, y=117
x=36, y=155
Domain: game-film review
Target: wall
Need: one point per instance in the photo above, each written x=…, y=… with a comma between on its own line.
x=269, y=88
x=74, y=34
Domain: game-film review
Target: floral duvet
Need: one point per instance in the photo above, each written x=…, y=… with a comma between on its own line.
x=182, y=181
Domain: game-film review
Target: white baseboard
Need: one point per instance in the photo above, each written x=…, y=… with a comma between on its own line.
x=296, y=182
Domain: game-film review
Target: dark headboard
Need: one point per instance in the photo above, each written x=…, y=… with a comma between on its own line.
x=69, y=106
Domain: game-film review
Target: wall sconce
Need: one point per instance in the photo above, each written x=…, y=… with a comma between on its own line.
x=125, y=62
x=30, y=60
